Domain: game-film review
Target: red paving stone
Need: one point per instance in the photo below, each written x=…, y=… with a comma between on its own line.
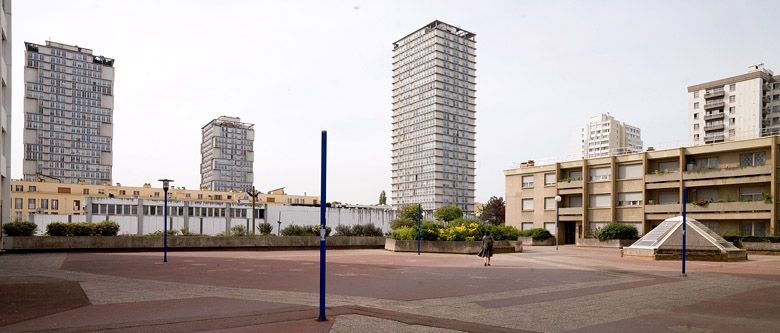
x=27, y=297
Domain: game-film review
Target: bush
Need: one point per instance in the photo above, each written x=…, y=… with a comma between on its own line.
x=429, y=231
x=503, y=232
x=358, y=230
x=107, y=228
x=404, y=233
x=265, y=228
x=448, y=214
x=58, y=229
x=20, y=228
x=761, y=239
x=343, y=230
x=303, y=230
x=615, y=230
x=159, y=233
x=83, y=229
x=238, y=230
x=402, y=223
x=539, y=234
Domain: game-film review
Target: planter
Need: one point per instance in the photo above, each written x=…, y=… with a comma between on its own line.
x=612, y=243
x=56, y=243
x=473, y=247
x=762, y=247
x=530, y=241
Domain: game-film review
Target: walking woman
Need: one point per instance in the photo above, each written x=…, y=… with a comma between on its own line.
x=487, y=248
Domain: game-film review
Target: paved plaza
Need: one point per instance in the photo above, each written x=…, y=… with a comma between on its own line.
x=541, y=290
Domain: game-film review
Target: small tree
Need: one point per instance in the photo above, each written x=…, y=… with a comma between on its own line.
x=448, y=214
x=405, y=217
x=494, y=211
x=382, y=198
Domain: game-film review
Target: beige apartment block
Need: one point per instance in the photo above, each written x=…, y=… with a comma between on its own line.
x=741, y=107
x=731, y=187
x=29, y=197
x=5, y=109
x=603, y=135
x=68, y=114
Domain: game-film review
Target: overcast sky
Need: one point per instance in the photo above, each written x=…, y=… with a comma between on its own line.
x=294, y=68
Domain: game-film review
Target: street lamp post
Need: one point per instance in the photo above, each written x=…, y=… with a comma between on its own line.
x=253, y=193
x=166, y=184
x=557, y=205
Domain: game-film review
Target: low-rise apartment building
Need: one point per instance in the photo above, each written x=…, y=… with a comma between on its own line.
x=731, y=188
x=52, y=198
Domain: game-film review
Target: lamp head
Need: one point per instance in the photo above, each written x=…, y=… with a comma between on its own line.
x=166, y=183
x=557, y=198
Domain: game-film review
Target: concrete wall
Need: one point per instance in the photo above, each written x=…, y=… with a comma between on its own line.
x=473, y=247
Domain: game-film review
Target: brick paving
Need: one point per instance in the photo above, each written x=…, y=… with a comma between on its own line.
x=541, y=290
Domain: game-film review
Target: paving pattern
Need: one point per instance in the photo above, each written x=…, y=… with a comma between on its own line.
x=541, y=290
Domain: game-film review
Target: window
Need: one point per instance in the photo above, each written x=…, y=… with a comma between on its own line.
x=710, y=194
x=751, y=193
x=695, y=126
x=63, y=190
x=670, y=166
x=696, y=105
x=549, y=179
x=85, y=191
x=732, y=99
x=600, y=200
x=696, y=94
x=732, y=121
x=752, y=159
x=30, y=203
x=549, y=203
x=707, y=163
x=18, y=203
x=19, y=188
x=629, y=199
x=44, y=203
x=696, y=115
x=528, y=204
x=526, y=225
x=136, y=193
x=732, y=109
x=156, y=194
x=122, y=192
x=55, y=204
x=630, y=171
x=528, y=181
x=732, y=87
x=550, y=226
x=600, y=174
x=32, y=188
x=668, y=197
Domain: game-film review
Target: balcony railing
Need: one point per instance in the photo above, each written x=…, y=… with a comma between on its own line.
x=714, y=105
x=714, y=138
x=663, y=208
x=711, y=116
x=570, y=211
x=714, y=127
x=714, y=93
x=723, y=207
x=729, y=172
x=570, y=183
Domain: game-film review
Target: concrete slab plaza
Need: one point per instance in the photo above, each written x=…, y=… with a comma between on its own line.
x=541, y=290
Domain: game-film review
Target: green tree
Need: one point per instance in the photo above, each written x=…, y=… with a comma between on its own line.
x=382, y=198
x=405, y=217
x=448, y=214
x=494, y=211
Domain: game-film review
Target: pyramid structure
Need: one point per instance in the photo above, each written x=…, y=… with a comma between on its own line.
x=665, y=242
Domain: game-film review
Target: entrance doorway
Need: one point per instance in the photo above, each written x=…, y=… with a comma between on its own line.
x=569, y=232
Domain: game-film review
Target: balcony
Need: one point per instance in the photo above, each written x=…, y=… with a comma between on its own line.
x=663, y=208
x=712, y=116
x=714, y=105
x=570, y=184
x=714, y=138
x=730, y=207
x=729, y=172
x=662, y=177
x=713, y=127
x=570, y=211
x=714, y=93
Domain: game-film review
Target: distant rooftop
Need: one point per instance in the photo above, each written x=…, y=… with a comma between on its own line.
x=72, y=48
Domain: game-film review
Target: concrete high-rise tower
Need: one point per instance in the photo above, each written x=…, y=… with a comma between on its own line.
x=433, y=118
x=5, y=109
x=227, y=155
x=68, y=114
x=604, y=135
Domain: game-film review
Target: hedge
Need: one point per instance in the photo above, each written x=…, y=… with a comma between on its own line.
x=615, y=230
x=304, y=230
x=752, y=239
x=457, y=230
x=358, y=230
x=20, y=228
x=538, y=234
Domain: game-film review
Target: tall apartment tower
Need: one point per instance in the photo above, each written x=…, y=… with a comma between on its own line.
x=5, y=109
x=740, y=107
x=603, y=135
x=227, y=155
x=68, y=114
x=433, y=118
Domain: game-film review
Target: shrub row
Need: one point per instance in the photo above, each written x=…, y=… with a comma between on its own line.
x=538, y=234
x=20, y=228
x=304, y=230
x=616, y=230
x=457, y=230
x=359, y=230
x=105, y=228
x=753, y=239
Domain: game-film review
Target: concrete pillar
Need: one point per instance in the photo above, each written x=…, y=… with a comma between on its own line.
x=227, y=218
x=140, y=217
x=186, y=215
x=88, y=203
x=773, y=186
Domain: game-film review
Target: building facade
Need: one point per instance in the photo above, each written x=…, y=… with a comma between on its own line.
x=30, y=198
x=227, y=155
x=68, y=114
x=741, y=107
x=731, y=187
x=5, y=110
x=433, y=138
x=603, y=135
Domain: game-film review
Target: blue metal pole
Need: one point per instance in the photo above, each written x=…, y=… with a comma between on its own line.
x=419, y=219
x=322, y=225
x=684, y=216
x=557, y=204
x=165, y=226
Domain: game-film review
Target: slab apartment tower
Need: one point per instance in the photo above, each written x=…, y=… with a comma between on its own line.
x=433, y=139
x=68, y=114
x=227, y=155
x=5, y=110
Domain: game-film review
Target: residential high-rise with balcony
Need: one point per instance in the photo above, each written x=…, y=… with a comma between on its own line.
x=5, y=109
x=227, y=155
x=68, y=114
x=603, y=135
x=741, y=107
x=433, y=134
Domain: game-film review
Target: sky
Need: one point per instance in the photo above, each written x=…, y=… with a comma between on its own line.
x=295, y=68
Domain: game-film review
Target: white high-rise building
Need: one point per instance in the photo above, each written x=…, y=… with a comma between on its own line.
x=5, y=110
x=603, y=135
x=68, y=114
x=227, y=155
x=433, y=118
x=740, y=107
